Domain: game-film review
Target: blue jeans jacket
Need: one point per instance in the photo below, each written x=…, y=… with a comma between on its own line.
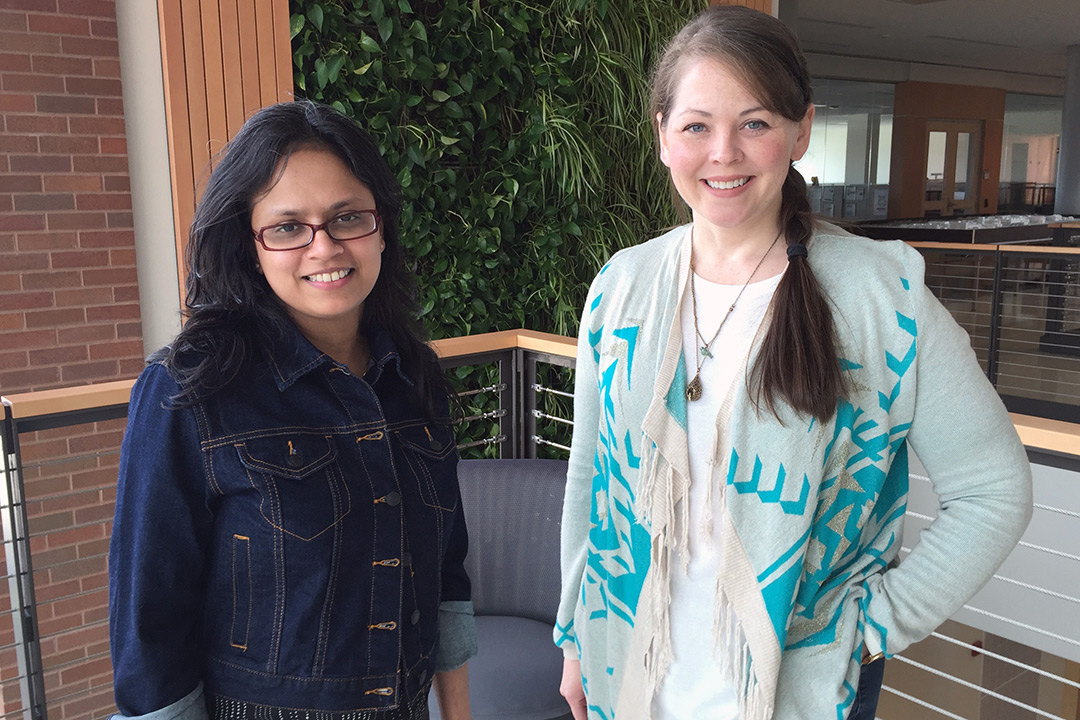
x=291, y=541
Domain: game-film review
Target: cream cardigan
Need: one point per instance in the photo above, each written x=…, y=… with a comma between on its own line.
x=812, y=511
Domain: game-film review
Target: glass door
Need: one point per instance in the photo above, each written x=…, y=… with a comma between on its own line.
x=953, y=154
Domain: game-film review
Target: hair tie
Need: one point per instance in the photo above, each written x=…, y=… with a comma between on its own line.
x=795, y=250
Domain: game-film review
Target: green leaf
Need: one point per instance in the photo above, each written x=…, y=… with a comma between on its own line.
x=416, y=155
x=448, y=140
x=315, y=15
x=418, y=31
x=333, y=68
x=320, y=73
x=368, y=43
x=404, y=6
x=386, y=27
x=296, y=24
x=439, y=96
x=362, y=69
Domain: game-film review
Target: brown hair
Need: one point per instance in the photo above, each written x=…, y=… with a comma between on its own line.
x=798, y=360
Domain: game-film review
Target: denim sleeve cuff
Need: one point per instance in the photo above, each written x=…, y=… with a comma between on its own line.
x=190, y=707
x=457, y=635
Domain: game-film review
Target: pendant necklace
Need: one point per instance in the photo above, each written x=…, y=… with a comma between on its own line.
x=693, y=389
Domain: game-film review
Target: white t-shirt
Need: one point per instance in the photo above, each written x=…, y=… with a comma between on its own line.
x=693, y=688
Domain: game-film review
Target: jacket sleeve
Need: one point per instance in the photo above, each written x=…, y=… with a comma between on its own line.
x=574, y=546
x=457, y=629
x=964, y=437
x=156, y=554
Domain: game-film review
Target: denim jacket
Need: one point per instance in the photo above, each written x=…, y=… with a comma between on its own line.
x=294, y=541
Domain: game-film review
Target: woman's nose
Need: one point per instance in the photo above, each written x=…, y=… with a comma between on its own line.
x=725, y=148
x=324, y=246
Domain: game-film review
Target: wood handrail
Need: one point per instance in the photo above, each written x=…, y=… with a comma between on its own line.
x=1035, y=432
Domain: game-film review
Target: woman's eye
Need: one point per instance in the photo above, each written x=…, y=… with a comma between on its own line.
x=286, y=228
x=694, y=128
x=346, y=218
x=756, y=125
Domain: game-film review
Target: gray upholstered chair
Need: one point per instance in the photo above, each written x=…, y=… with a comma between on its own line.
x=513, y=509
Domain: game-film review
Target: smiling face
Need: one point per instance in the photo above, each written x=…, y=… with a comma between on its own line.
x=728, y=156
x=323, y=285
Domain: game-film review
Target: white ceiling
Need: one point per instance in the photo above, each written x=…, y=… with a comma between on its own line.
x=1015, y=37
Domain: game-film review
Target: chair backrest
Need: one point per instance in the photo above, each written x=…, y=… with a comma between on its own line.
x=513, y=509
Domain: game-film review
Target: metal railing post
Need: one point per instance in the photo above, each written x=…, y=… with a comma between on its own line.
x=20, y=574
x=997, y=297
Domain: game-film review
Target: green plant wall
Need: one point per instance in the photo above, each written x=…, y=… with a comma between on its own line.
x=518, y=133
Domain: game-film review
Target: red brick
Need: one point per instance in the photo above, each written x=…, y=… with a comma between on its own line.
x=37, y=124
x=61, y=65
x=66, y=104
x=121, y=220
x=44, y=201
x=31, y=339
x=17, y=103
x=26, y=261
x=102, y=512
x=9, y=282
x=28, y=300
x=59, y=25
x=80, y=259
x=100, y=163
x=73, y=183
x=110, y=239
x=20, y=183
x=18, y=143
x=81, y=297
x=109, y=276
x=106, y=67
x=13, y=381
x=112, y=201
x=116, y=183
x=115, y=146
x=52, y=280
x=76, y=221
x=6, y=205
x=22, y=223
x=18, y=83
x=93, y=86
x=59, y=355
x=40, y=164
x=131, y=367
x=27, y=43
x=86, y=333
x=47, y=241
x=117, y=349
x=89, y=47
x=126, y=293
x=103, y=28
x=129, y=330
x=111, y=312
x=122, y=257
x=14, y=62
x=68, y=144
x=14, y=360
x=85, y=372
x=13, y=21
x=55, y=318
x=93, y=8
x=113, y=106
x=96, y=125
x=42, y=6
x=11, y=321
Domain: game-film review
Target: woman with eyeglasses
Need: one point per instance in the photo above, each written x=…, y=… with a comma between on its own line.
x=288, y=539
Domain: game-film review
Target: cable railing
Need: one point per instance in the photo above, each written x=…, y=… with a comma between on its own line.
x=60, y=465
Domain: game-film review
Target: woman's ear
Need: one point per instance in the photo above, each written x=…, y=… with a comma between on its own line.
x=663, y=140
x=802, y=139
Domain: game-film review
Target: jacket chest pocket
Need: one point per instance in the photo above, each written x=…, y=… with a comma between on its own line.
x=431, y=457
x=300, y=485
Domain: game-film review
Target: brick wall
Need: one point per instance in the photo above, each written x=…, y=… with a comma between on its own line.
x=69, y=315
x=69, y=301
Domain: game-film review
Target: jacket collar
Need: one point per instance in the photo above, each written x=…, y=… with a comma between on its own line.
x=295, y=356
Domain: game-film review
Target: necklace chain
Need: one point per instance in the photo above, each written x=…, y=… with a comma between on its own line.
x=693, y=388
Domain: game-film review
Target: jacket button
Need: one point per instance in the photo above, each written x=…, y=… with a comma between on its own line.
x=423, y=677
x=392, y=498
x=415, y=617
x=295, y=460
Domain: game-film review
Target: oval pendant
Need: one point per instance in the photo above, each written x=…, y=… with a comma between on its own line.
x=693, y=390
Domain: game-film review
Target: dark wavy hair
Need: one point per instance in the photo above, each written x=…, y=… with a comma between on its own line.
x=233, y=317
x=798, y=361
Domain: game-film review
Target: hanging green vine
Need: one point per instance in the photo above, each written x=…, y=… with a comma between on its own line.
x=518, y=133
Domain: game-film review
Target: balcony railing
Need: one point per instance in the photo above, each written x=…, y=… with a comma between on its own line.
x=1017, y=644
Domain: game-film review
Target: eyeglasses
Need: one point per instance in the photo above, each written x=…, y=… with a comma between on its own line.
x=293, y=235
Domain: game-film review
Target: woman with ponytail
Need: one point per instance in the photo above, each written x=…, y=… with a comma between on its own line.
x=748, y=389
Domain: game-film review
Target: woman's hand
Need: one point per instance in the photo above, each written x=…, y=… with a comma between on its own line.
x=452, y=693
x=571, y=689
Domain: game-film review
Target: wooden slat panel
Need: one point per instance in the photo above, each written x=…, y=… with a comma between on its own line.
x=214, y=71
x=282, y=52
x=249, y=56
x=174, y=75
x=230, y=53
x=195, y=68
x=765, y=6
x=264, y=36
